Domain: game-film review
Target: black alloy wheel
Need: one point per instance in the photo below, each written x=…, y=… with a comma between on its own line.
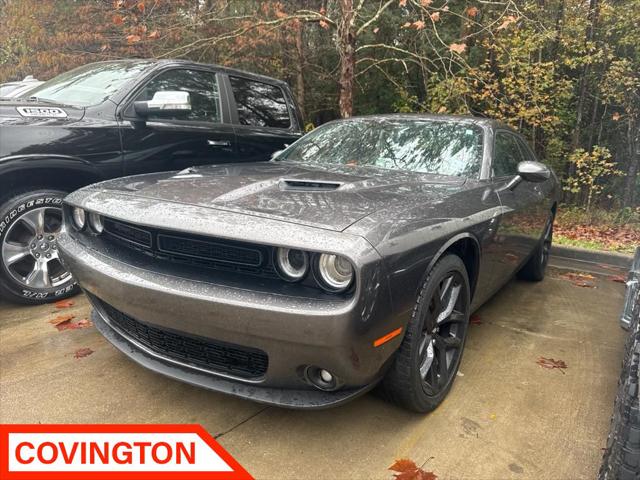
x=428, y=358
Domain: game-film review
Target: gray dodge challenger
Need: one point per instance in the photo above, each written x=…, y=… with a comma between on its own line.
x=352, y=259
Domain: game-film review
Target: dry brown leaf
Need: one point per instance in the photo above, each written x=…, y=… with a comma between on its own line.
x=82, y=352
x=585, y=280
x=64, y=303
x=551, y=363
x=61, y=319
x=408, y=470
x=153, y=35
x=418, y=25
x=133, y=39
x=618, y=278
x=435, y=16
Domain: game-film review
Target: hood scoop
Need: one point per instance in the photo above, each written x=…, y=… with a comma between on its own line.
x=301, y=185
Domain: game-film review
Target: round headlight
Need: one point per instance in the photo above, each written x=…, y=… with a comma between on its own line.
x=293, y=265
x=79, y=218
x=95, y=221
x=336, y=272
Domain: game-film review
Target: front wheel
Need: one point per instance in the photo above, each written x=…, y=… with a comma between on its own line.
x=30, y=269
x=429, y=356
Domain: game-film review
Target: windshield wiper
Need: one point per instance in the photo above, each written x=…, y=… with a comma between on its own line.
x=49, y=102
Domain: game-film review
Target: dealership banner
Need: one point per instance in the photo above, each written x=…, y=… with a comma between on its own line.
x=119, y=452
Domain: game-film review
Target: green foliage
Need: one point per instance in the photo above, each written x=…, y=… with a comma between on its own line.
x=591, y=170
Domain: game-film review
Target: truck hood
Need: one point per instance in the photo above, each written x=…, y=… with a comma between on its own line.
x=332, y=197
x=15, y=111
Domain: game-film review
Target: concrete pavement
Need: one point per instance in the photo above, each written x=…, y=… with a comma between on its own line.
x=506, y=417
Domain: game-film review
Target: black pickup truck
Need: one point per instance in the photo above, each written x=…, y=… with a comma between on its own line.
x=110, y=119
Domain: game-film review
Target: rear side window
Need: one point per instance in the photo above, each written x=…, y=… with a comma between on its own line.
x=203, y=92
x=506, y=155
x=260, y=104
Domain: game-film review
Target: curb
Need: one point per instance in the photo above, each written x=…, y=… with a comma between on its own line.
x=592, y=256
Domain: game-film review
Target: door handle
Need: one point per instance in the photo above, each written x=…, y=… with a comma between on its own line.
x=219, y=143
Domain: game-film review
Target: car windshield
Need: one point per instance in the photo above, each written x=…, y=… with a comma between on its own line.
x=88, y=85
x=441, y=147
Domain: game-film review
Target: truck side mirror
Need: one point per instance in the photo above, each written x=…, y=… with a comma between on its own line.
x=168, y=103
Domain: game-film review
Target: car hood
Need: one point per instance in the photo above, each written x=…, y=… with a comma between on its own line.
x=331, y=197
x=15, y=111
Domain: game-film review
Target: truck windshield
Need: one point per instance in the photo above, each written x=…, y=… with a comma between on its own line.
x=87, y=85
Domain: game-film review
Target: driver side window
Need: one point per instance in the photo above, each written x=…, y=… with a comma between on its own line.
x=506, y=155
x=201, y=86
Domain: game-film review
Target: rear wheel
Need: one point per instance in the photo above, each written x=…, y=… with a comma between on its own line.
x=429, y=356
x=30, y=268
x=536, y=266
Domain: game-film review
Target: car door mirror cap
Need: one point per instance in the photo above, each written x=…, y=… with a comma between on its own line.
x=535, y=172
x=168, y=102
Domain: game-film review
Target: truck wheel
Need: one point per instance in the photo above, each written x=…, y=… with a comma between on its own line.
x=622, y=456
x=428, y=358
x=536, y=266
x=30, y=270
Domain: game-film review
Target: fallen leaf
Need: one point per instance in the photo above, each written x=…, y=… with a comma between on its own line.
x=617, y=278
x=475, y=320
x=133, y=39
x=406, y=25
x=615, y=117
x=458, y=47
x=418, y=25
x=153, y=35
x=64, y=303
x=442, y=109
x=63, y=323
x=551, y=363
x=61, y=319
x=376, y=30
x=323, y=24
x=82, y=352
x=402, y=3
x=140, y=7
x=403, y=465
x=118, y=19
x=579, y=279
x=435, y=16
x=426, y=3
x=408, y=470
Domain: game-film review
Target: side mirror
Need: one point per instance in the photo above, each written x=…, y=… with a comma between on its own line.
x=164, y=103
x=534, y=171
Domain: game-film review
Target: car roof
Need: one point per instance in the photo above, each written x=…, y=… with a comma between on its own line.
x=158, y=63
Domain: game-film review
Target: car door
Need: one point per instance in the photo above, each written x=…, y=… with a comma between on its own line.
x=519, y=228
x=264, y=119
x=174, y=142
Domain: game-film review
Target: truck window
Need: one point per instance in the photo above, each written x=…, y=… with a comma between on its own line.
x=260, y=104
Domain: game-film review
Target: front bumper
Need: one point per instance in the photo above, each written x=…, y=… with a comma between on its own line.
x=294, y=332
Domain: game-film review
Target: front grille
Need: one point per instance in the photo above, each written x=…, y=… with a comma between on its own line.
x=194, y=250
x=209, y=354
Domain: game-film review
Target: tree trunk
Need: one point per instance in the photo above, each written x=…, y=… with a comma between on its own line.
x=582, y=88
x=347, y=50
x=300, y=60
x=628, y=197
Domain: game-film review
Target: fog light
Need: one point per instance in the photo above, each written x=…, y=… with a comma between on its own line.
x=321, y=378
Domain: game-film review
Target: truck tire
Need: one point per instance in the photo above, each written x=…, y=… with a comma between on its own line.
x=622, y=455
x=30, y=270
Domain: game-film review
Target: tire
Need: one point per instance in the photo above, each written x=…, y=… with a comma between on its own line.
x=29, y=223
x=417, y=380
x=622, y=456
x=536, y=266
